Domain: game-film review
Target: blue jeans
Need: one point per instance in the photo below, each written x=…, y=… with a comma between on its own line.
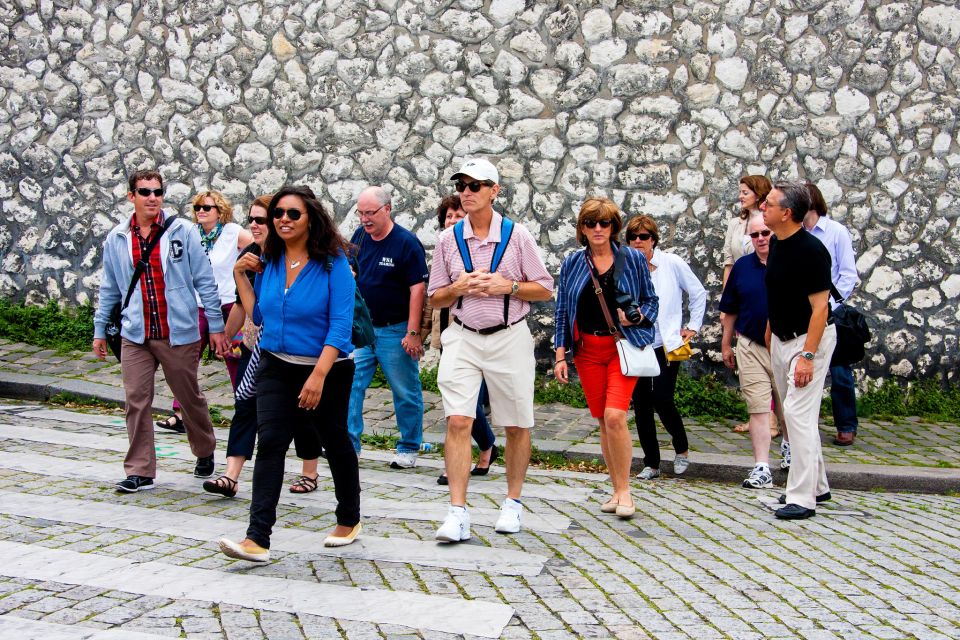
x=843, y=395
x=481, y=431
x=403, y=374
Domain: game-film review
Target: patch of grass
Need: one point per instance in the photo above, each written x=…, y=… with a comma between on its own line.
x=556, y=460
x=52, y=327
x=428, y=379
x=928, y=399
x=380, y=440
x=217, y=417
x=708, y=397
x=548, y=390
x=379, y=380
x=74, y=401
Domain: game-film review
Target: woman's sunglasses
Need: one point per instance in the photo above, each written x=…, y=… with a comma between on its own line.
x=757, y=234
x=294, y=214
x=638, y=236
x=205, y=207
x=473, y=186
x=604, y=224
x=261, y=220
x=143, y=191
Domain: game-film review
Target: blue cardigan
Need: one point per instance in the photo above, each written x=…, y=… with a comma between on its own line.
x=635, y=280
x=316, y=311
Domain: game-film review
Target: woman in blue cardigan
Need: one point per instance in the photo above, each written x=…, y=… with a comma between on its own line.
x=582, y=328
x=303, y=297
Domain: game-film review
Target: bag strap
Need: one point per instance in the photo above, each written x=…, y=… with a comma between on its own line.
x=603, y=302
x=836, y=294
x=144, y=262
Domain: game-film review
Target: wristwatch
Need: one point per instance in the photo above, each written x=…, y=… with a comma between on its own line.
x=413, y=332
x=514, y=288
x=809, y=355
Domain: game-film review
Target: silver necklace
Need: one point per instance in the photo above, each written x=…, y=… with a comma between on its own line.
x=295, y=263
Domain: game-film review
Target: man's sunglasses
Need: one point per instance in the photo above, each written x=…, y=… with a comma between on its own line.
x=261, y=220
x=143, y=191
x=205, y=207
x=638, y=236
x=473, y=186
x=757, y=234
x=294, y=214
x=604, y=224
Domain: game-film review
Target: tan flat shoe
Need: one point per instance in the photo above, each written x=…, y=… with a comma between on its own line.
x=626, y=511
x=342, y=541
x=609, y=506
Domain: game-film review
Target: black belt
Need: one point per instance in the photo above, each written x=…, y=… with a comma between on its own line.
x=600, y=332
x=796, y=334
x=486, y=330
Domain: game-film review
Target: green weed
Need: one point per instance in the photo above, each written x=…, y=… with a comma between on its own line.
x=51, y=327
x=928, y=399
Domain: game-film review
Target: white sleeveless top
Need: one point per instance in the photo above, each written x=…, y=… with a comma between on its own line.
x=223, y=256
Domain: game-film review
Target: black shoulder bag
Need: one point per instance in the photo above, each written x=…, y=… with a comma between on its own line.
x=853, y=332
x=116, y=312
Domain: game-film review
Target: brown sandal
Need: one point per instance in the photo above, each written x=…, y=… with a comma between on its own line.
x=304, y=484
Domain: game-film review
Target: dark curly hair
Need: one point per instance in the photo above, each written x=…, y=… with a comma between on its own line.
x=450, y=202
x=323, y=239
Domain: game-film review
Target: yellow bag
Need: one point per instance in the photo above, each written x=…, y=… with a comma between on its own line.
x=683, y=352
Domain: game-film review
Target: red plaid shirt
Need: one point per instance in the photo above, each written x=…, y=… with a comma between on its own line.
x=152, y=286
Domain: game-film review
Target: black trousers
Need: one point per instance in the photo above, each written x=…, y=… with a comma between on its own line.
x=280, y=419
x=656, y=394
x=243, y=427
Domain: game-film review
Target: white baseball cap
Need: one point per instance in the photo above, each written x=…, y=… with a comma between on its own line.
x=478, y=169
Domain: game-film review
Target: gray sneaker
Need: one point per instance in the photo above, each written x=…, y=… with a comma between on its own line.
x=785, y=452
x=759, y=478
x=648, y=473
x=680, y=464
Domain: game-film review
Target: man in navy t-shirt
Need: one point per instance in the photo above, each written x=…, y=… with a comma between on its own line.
x=391, y=276
x=744, y=305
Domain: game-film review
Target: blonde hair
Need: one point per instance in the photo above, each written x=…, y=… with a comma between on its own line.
x=224, y=208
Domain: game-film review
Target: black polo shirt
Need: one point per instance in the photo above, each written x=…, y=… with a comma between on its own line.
x=796, y=268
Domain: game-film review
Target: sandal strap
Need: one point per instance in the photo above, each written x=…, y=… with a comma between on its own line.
x=231, y=483
x=306, y=482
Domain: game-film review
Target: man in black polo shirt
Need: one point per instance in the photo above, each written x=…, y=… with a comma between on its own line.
x=801, y=342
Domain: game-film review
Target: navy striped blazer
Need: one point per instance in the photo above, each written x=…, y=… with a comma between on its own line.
x=635, y=280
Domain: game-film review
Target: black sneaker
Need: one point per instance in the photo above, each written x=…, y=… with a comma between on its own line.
x=204, y=468
x=823, y=497
x=794, y=512
x=132, y=484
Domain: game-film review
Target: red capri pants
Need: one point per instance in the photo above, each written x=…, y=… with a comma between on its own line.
x=599, y=368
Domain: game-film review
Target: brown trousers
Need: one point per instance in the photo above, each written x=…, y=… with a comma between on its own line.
x=139, y=367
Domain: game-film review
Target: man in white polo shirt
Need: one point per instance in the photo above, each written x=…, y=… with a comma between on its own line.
x=487, y=340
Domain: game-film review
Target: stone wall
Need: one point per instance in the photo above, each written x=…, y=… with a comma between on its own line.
x=660, y=104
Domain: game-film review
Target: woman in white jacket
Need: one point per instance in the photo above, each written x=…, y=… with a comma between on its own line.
x=671, y=278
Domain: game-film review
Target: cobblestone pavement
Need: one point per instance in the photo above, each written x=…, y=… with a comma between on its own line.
x=906, y=442
x=699, y=560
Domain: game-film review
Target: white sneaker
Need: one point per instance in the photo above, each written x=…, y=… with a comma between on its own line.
x=680, y=464
x=404, y=460
x=509, y=520
x=759, y=478
x=648, y=473
x=785, y=452
x=455, y=527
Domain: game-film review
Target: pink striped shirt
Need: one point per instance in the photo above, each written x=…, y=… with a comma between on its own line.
x=521, y=262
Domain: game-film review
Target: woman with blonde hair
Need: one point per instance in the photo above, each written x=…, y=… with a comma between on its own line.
x=604, y=280
x=223, y=241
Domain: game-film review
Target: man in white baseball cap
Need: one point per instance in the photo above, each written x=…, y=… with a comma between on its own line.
x=488, y=339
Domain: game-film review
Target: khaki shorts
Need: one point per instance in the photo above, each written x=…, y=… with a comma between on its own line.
x=757, y=383
x=503, y=359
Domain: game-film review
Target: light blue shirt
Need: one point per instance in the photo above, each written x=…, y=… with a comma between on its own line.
x=843, y=262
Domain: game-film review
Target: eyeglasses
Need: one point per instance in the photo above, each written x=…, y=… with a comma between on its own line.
x=261, y=220
x=768, y=204
x=638, y=236
x=757, y=234
x=473, y=186
x=369, y=214
x=294, y=214
x=591, y=224
x=143, y=191
x=205, y=207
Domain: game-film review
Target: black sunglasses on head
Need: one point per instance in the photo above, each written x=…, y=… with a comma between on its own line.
x=473, y=186
x=604, y=224
x=638, y=236
x=757, y=234
x=294, y=214
x=143, y=191
x=205, y=207
x=261, y=220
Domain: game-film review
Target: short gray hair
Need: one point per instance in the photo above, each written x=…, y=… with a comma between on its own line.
x=796, y=197
x=379, y=193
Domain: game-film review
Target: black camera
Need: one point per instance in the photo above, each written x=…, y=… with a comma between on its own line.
x=629, y=306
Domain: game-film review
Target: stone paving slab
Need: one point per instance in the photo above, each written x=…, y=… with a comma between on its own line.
x=24, y=629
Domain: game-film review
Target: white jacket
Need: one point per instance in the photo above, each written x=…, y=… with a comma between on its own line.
x=670, y=279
